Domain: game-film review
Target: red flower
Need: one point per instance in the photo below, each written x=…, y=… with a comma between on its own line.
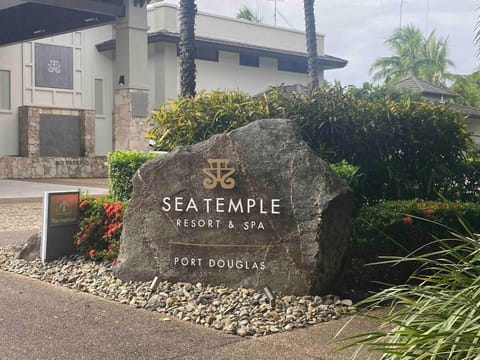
x=83, y=204
x=117, y=206
x=408, y=220
x=430, y=212
x=114, y=261
x=91, y=253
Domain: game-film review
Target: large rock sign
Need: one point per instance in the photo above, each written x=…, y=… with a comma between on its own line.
x=254, y=207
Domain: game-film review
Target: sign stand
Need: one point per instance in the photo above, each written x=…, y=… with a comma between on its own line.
x=59, y=223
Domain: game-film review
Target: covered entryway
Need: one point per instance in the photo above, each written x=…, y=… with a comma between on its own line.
x=22, y=20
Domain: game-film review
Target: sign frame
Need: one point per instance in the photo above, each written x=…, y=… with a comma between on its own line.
x=60, y=218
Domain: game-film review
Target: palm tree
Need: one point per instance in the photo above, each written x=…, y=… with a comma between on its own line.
x=414, y=54
x=311, y=38
x=436, y=51
x=245, y=13
x=186, y=47
x=476, y=38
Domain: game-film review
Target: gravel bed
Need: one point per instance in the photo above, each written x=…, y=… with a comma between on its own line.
x=242, y=312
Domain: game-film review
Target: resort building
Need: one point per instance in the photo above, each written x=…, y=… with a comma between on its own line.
x=69, y=99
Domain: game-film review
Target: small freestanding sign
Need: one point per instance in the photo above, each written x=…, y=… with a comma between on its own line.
x=60, y=223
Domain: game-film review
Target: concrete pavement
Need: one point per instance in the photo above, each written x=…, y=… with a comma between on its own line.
x=32, y=189
x=43, y=321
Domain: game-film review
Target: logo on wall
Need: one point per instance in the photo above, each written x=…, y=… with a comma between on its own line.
x=218, y=172
x=54, y=66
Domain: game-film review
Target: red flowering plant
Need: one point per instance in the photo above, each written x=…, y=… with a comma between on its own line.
x=100, y=227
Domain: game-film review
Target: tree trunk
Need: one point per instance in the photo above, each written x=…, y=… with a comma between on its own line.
x=188, y=10
x=311, y=37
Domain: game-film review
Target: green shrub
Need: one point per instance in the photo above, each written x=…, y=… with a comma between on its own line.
x=396, y=228
x=353, y=176
x=464, y=183
x=100, y=227
x=122, y=165
x=192, y=119
x=404, y=148
x=436, y=314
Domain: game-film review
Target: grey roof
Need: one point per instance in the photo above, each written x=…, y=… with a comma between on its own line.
x=415, y=84
x=326, y=61
x=288, y=91
x=472, y=112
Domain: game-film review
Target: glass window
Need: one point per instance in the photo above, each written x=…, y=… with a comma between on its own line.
x=249, y=60
x=5, y=103
x=99, y=102
x=298, y=66
x=206, y=53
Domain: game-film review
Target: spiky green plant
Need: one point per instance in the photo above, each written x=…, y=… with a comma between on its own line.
x=436, y=315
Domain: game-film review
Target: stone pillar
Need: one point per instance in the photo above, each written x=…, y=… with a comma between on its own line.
x=87, y=132
x=131, y=79
x=29, y=134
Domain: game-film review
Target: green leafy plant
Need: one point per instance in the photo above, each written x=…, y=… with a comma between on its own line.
x=436, y=314
x=122, y=165
x=193, y=119
x=100, y=227
x=352, y=175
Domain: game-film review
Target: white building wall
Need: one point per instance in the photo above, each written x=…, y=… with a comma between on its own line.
x=99, y=65
x=228, y=74
x=10, y=60
x=42, y=96
x=163, y=16
x=473, y=126
x=164, y=73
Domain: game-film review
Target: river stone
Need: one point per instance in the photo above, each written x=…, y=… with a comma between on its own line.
x=293, y=239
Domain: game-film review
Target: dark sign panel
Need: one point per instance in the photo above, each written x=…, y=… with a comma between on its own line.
x=53, y=66
x=60, y=223
x=59, y=135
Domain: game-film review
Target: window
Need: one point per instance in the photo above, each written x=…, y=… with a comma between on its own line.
x=5, y=103
x=249, y=60
x=298, y=66
x=203, y=53
x=99, y=103
x=206, y=53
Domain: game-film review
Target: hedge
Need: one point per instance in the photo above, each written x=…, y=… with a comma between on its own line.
x=122, y=165
x=397, y=228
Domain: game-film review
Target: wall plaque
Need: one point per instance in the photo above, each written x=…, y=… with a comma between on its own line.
x=139, y=104
x=53, y=66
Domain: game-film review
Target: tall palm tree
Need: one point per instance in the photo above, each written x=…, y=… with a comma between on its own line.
x=436, y=52
x=311, y=37
x=414, y=54
x=186, y=47
x=476, y=37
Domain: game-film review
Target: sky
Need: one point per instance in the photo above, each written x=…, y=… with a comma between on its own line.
x=355, y=30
